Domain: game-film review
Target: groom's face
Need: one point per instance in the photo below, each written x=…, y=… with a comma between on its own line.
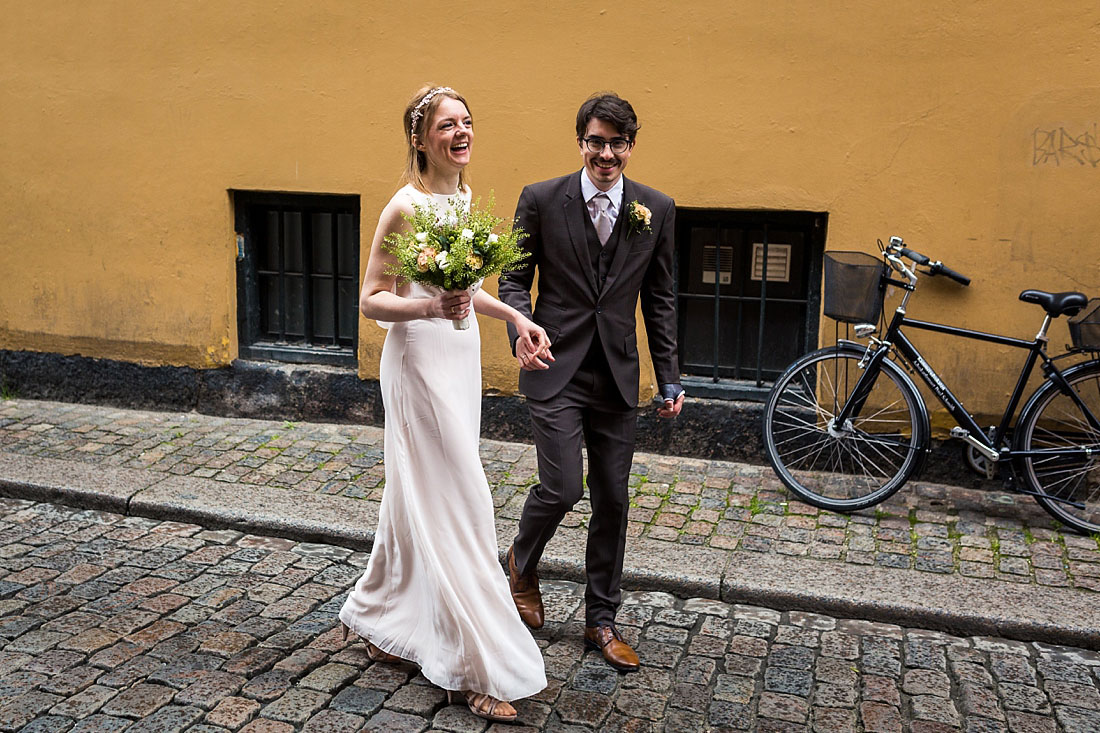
x=604, y=167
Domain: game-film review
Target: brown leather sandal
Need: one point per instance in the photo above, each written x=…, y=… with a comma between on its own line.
x=484, y=706
x=373, y=653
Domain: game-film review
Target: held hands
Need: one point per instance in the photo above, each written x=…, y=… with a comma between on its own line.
x=452, y=305
x=532, y=346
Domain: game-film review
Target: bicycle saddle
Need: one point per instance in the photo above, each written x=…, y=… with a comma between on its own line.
x=1056, y=304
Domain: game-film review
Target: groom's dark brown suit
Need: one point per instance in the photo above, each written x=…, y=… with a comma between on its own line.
x=587, y=299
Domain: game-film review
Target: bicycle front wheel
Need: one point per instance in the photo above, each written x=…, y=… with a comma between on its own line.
x=850, y=466
x=1066, y=481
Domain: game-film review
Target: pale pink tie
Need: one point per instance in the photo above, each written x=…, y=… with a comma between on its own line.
x=603, y=219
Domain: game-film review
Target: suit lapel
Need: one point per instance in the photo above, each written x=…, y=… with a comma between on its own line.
x=622, y=234
x=575, y=210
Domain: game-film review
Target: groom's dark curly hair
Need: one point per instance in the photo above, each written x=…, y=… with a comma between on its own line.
x=610, y=108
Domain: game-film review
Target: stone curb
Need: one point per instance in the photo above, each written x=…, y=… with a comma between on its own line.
x=948, y=603
x=954, y=604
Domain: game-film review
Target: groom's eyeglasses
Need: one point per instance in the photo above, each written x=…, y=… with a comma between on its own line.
x=596, y=144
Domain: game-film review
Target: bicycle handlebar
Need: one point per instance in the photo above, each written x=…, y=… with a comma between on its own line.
x=915, y=256
x=934, y=268
x=938, y=268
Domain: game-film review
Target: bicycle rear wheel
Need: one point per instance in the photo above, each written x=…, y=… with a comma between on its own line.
x=1052, y=421
x=851, y=466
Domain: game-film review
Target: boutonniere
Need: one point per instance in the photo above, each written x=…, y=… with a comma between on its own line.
x=638, y=217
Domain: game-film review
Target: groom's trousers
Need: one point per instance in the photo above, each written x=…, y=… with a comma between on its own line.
x=588, y=412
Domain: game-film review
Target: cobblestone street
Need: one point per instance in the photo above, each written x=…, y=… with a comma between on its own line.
x=113, y=623
x=734, y=507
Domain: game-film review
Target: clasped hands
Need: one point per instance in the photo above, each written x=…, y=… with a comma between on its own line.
x=532, y=346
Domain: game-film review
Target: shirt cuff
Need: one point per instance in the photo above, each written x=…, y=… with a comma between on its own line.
x=671, y=391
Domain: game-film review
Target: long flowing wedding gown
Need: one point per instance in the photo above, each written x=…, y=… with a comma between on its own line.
x=434, y=591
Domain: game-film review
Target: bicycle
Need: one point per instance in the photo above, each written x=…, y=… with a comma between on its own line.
x=845, y=426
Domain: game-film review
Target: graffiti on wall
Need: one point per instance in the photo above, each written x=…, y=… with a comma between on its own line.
x=1055, y=147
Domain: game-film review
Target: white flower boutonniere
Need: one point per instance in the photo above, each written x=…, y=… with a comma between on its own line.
x=638, y=217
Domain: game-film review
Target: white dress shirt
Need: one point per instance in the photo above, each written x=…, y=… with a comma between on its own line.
x=589, y=191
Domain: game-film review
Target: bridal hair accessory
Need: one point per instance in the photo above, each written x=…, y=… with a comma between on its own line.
x=418, y=110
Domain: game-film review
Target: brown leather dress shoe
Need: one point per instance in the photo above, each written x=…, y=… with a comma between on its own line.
x=525, y=593
x=605, y=639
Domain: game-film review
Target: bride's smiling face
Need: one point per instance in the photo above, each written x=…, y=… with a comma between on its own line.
x=449, y=137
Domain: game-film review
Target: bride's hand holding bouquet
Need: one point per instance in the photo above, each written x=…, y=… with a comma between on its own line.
x=453, y=251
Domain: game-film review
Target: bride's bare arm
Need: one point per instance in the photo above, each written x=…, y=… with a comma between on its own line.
x=378, y=299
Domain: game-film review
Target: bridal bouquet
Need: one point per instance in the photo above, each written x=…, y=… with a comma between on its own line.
x=454, y=250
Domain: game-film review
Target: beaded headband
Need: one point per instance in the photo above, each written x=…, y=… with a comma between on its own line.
x=418, y=110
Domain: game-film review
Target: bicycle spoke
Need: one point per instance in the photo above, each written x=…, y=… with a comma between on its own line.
x=1065, y=475
x=807, y=450
x=857, y=458
x=894, y=457
x=1067, y=488
x=799, y=421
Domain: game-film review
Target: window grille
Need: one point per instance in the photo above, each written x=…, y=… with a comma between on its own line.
x=733, y=322
x=298, y=277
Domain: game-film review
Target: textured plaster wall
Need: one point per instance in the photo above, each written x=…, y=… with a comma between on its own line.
x=968, y=128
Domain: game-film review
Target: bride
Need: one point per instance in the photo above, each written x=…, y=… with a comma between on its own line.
x=434, y=592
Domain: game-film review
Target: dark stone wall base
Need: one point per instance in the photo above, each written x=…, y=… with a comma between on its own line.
x=708, y=428
x=266, y=391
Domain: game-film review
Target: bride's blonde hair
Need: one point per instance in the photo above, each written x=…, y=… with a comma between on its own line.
x=418, y=115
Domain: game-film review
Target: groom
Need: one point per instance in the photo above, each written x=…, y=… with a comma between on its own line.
x=598, y=242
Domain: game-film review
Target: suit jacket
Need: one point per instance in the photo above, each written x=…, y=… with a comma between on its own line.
x=573, y=307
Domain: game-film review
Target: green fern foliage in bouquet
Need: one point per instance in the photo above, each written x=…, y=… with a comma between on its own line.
x=453, y=250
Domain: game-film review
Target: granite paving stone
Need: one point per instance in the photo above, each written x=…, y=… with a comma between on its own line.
x=139, y=700
x=296, y=705
x=25, y=707
x=415, y=699
x=268, y=686
x=210, y=688
x=232, y=712
x=85, y=702
x=49, y=724
x=358, y=700
x=333, y=721
x=169, y=719
x=388, y=721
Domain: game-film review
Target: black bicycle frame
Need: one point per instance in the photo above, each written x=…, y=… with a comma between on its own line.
x=895, y=338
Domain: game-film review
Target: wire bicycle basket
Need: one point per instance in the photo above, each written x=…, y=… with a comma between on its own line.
x=1084, y=328
x=854, y=286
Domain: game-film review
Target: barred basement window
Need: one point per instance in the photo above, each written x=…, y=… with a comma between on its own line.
x=748, y=288
x=297, y=276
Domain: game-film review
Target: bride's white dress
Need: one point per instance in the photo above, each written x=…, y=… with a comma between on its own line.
x=434, y=591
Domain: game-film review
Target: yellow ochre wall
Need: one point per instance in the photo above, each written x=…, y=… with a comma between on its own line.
x=969, y=128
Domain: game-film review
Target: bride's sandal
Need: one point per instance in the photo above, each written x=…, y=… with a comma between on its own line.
x=484, y=706
x=377, y=655
x=373, y=653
